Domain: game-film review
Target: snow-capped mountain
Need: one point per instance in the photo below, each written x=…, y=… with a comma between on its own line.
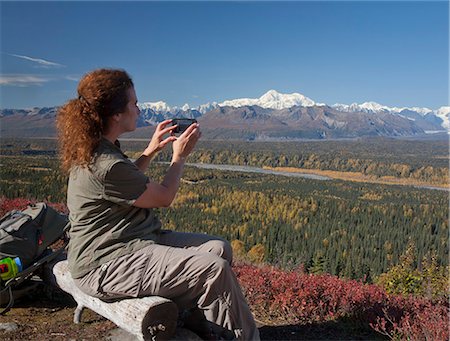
x=273, y=115
x=273, y=100
x=444, y=114
x=428, y=119
x=373, y=107
x=159, y=107
x=204, y=108
x=439, y=117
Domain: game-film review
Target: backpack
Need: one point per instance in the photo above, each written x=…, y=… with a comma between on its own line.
x=28, y=234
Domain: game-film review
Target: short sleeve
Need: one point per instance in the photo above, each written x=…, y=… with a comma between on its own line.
x=124, y=183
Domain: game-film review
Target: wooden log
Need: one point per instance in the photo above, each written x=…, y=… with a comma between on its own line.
x=148, y=318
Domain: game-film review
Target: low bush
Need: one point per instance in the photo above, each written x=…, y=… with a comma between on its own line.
x=295, y=297
x=7, y=205
x=427, y=279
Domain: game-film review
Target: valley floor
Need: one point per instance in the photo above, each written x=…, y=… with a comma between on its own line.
x=360, y=177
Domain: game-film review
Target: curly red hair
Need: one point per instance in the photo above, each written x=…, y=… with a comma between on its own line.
x=82, y=121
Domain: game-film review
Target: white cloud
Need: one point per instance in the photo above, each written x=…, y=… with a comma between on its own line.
x=72, y=78
x=41, y=62
x=22, y=80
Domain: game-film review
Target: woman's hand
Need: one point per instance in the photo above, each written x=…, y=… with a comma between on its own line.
x=158, y=142
x=162, y=195
x=185, y=143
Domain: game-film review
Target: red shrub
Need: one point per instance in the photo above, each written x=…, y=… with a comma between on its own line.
x=414, y=318
x=296, y=297
x=7, y=205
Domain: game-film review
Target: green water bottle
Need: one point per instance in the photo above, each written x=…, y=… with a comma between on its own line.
x=10, y=267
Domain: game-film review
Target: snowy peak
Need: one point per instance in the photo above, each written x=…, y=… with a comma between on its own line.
x=374, y=107
x=275, y=100
x=203, y=108
x=162, y=107
x=440, y=117
x=444, y=114
x=159, y=106
x=422, y=111
x=271, y=95
x=272, y=99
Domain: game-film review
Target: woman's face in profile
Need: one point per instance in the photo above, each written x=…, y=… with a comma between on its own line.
x=128, y=118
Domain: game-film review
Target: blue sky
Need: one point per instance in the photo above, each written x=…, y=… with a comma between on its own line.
x=393, y=53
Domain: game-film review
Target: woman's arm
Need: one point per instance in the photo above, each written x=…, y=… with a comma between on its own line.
x=163, y=194
x=156, y=144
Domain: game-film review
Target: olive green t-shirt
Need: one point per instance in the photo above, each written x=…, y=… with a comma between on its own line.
x=104, y=223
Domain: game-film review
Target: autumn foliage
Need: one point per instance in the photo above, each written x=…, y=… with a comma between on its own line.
x=295, y=297
x=7, y=205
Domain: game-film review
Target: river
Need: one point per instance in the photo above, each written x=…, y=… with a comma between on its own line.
x=250, y=169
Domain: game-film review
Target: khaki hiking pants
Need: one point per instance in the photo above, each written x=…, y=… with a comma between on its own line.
x=191, y=269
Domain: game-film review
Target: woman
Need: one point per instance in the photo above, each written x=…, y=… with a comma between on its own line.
x=117, y=248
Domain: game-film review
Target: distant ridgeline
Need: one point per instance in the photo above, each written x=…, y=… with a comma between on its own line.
x=346, y=228
x=273, y=116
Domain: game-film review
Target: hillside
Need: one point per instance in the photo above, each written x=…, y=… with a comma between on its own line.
x=288, y=305
x=316, y=259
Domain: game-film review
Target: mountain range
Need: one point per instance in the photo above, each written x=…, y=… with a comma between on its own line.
x=272, y=116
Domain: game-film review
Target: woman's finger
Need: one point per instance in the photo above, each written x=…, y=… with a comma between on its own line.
x=168, y=130
x=162, y=125
x=195, y=131
x=189, y=130
x=164, y=142
x=161, y=133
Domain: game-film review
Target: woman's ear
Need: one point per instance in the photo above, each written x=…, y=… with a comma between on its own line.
x=116, y=117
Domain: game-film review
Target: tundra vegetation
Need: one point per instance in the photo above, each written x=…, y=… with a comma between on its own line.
x=308, y=251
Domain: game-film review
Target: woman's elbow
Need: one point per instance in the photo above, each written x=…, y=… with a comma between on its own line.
x=166, y=199
x=156, y=196
x=152, y=202
x=166, y=203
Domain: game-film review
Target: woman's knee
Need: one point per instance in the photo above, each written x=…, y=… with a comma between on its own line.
x=219, y=270
x=222, y=248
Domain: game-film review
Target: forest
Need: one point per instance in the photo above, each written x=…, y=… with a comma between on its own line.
x=425, y=161
x=350, y=229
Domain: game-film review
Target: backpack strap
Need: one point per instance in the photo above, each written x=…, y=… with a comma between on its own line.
x=17, y=214
x=10, y=301
x=25, y=274
x=9, y=214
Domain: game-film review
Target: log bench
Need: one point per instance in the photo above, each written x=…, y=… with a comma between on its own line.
x=148, y=318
